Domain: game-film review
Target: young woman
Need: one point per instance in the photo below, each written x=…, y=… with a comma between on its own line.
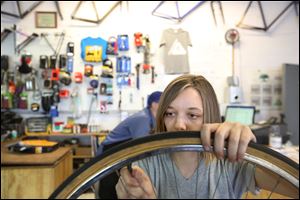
x=189, y=103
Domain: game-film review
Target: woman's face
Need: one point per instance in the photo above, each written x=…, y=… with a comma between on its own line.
x=185, y=113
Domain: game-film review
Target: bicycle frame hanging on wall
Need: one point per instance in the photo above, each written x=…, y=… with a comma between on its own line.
x=266, y=26
x=98, y=20
x=179, y=16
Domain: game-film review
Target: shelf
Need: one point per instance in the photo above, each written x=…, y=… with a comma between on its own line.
x=63, y=112
x=69, y=134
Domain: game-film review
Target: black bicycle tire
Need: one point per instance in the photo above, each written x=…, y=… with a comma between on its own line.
x=66, y=189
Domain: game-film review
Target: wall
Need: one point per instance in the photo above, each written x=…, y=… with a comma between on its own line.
x=257, y=52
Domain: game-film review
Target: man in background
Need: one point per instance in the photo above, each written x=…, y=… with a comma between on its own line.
x=137, y=125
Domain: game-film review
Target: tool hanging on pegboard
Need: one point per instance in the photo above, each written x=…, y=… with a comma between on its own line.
x=25, y=67
x=147, y=46
x=120, y=100
x=23, y=44
x=106, y=85
x=152, y=74
x=137, y=68
x=93, y=99
x=4, y=68
x=45, y=37
x=4, y=34
x=138, y=42
x=59, y=43
x=76, y=107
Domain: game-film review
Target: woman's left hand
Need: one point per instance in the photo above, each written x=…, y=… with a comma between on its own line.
x=238, y=136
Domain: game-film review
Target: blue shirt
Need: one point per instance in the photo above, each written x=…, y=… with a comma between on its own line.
x=136, y=125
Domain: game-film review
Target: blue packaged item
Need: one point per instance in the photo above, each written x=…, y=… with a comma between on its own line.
x=128, y=65
x=119, y=80
x=53, y=111
x=93, y=49
x=123, y=44
x=119, y=64
x=70, y=61
x=123, y=64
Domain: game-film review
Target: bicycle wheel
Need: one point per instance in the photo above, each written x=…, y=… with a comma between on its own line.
x=123, y=154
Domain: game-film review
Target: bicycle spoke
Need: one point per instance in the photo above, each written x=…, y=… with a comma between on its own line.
x=277, y=182
x=222, y=168
x=248, y=186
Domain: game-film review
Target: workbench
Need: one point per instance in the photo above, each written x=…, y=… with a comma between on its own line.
x=33, y=175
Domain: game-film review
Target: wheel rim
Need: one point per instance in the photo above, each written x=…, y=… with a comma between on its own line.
x=131, y=151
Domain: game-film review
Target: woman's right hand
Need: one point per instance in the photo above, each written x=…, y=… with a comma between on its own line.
x=135, y=185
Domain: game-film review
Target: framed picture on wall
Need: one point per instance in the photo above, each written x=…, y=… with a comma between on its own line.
x=45, y=20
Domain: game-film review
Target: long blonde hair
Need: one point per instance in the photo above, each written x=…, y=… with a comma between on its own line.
x=205, y=90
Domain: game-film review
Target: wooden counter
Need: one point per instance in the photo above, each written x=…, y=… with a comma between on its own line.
x=33, y=175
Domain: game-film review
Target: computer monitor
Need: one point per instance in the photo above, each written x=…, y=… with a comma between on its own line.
x=242, y=114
